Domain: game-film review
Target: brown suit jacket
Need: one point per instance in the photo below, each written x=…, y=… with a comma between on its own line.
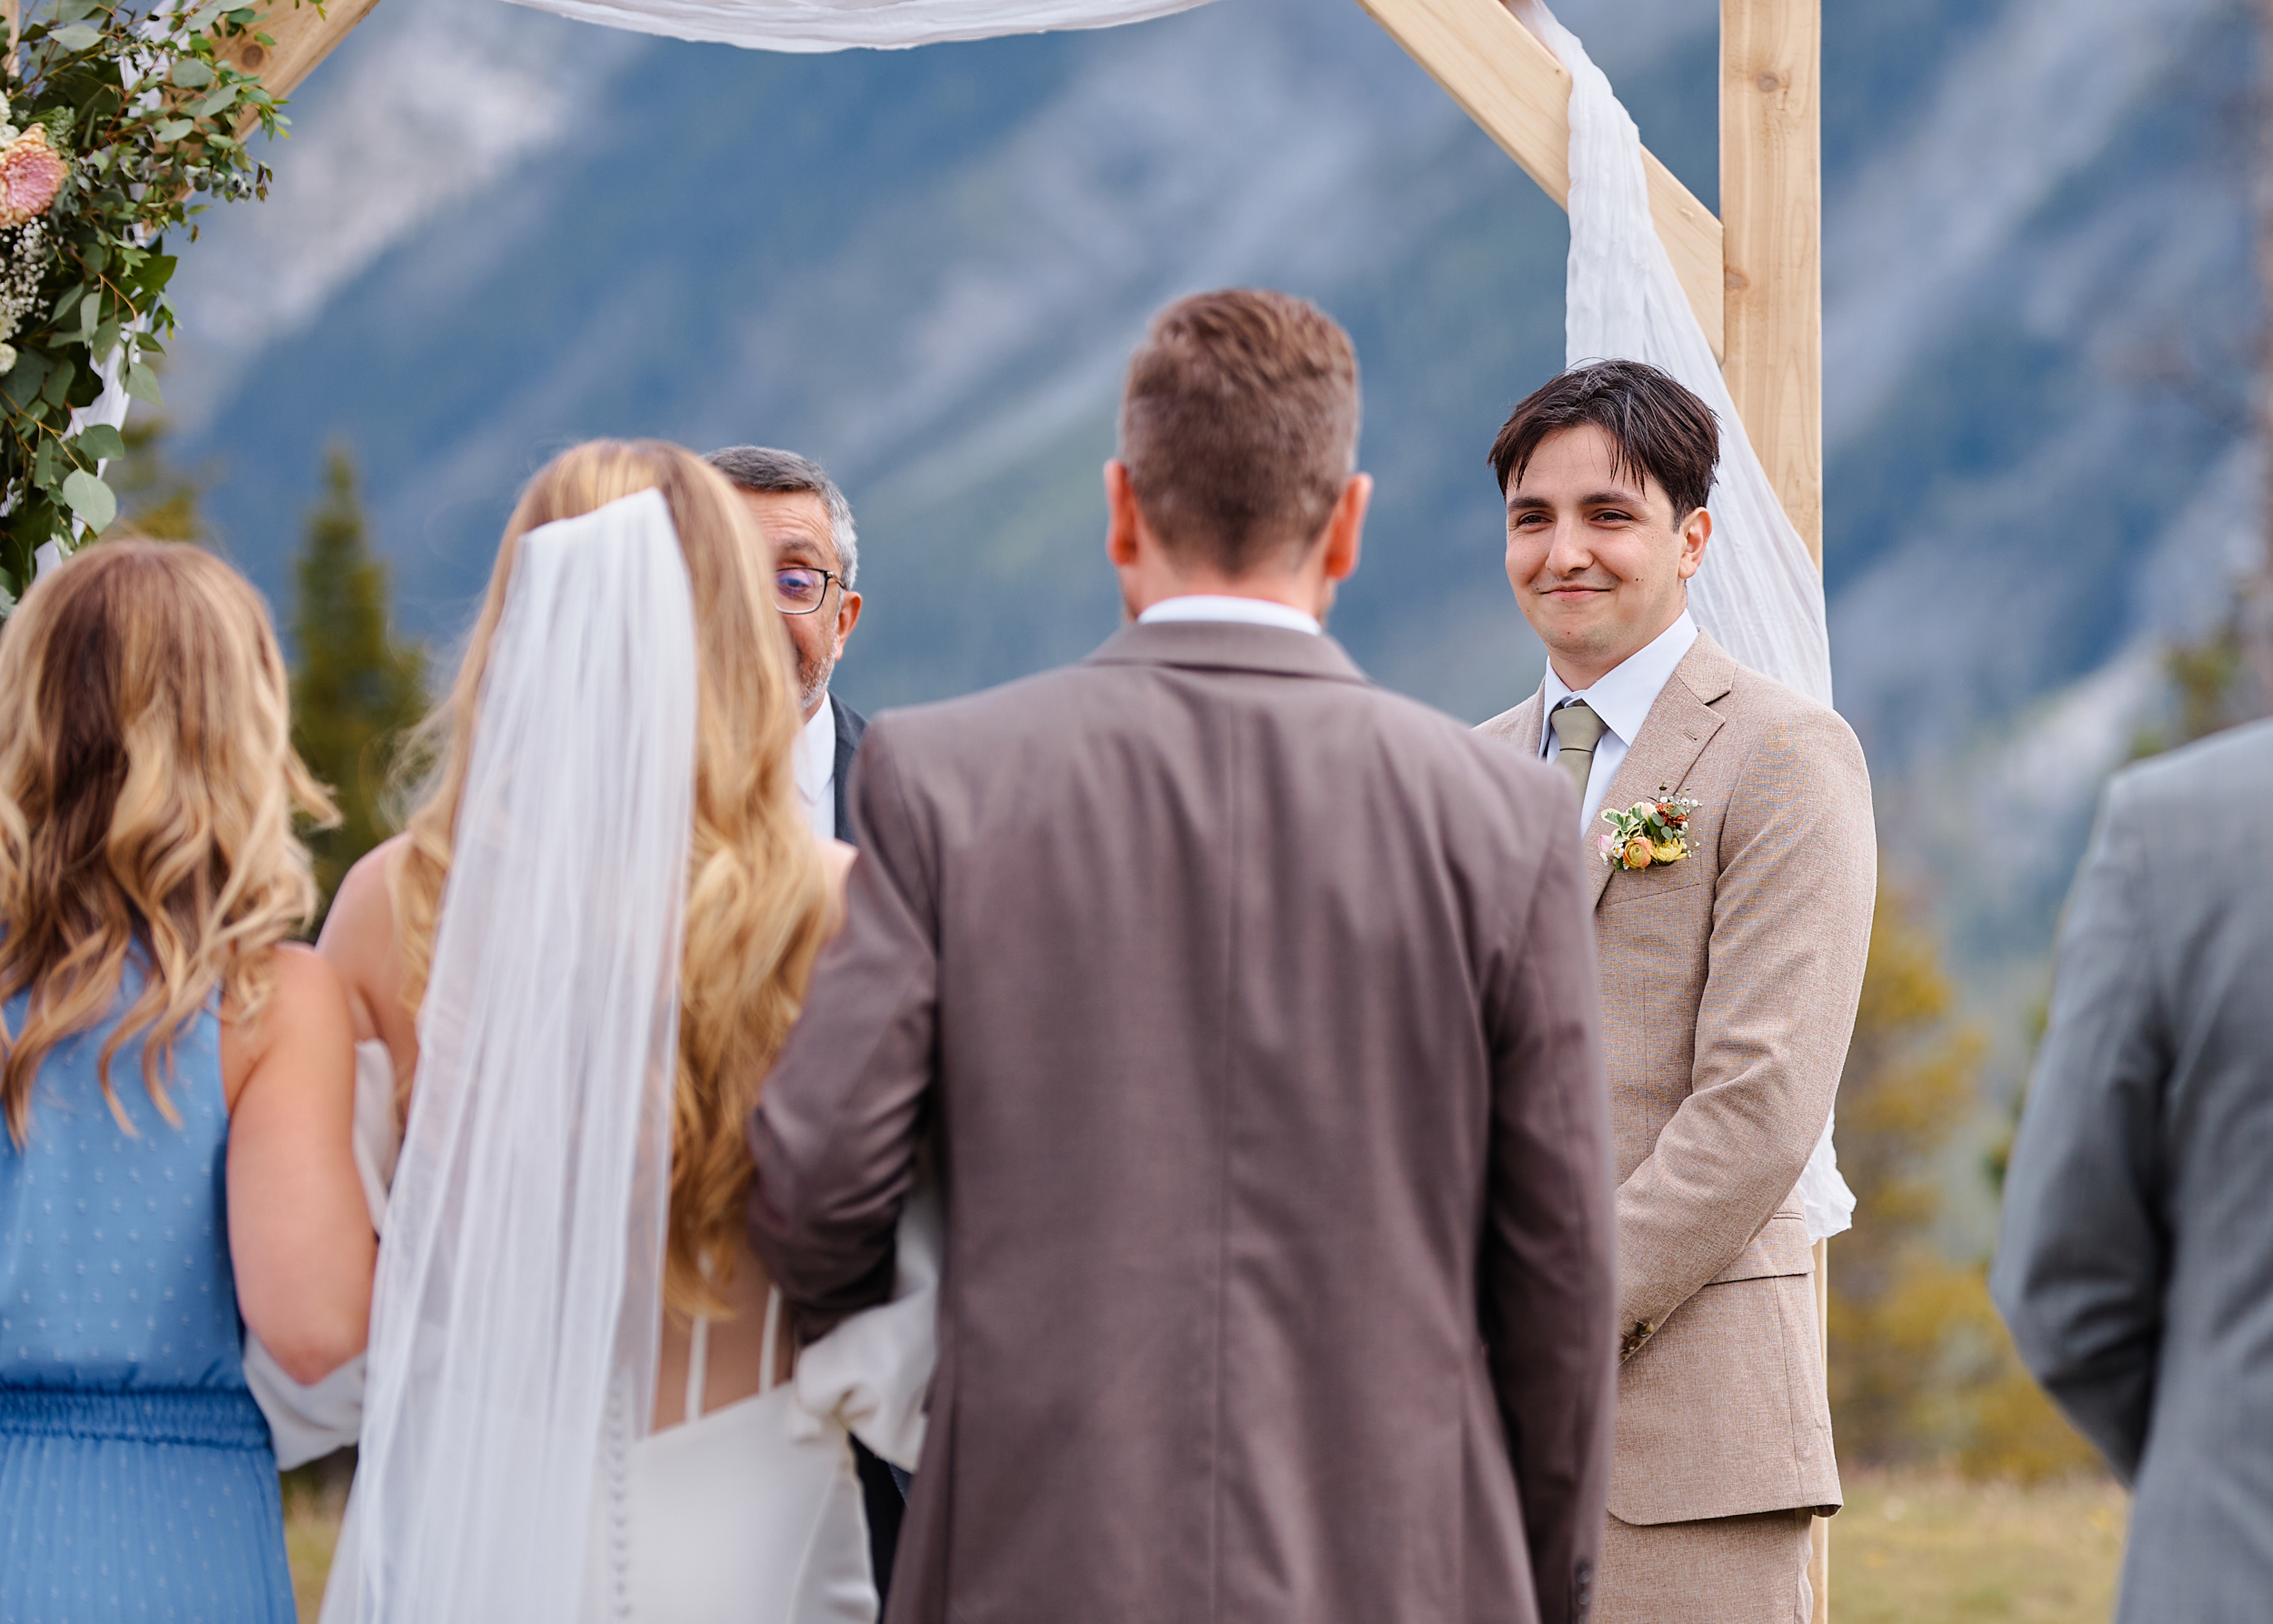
x=1253, y=1010
x=1729, y=981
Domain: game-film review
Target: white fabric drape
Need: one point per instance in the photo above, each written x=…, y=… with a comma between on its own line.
x=519, y=1296
x=841, y=24
x=1758, y=593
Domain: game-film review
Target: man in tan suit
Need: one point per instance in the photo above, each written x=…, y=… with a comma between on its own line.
x=1251, y=1011
x=1731, y=960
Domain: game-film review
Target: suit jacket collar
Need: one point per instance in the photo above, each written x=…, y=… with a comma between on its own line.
x=1680, y=725
x=1229, y=645
x=850, y=726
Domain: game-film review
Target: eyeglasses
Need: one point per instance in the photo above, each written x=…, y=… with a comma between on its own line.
x=799, y=588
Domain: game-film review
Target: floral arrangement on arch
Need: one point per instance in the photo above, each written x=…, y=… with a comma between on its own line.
x=119, y=125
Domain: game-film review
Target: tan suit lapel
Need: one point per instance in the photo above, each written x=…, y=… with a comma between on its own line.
x=1675, y=734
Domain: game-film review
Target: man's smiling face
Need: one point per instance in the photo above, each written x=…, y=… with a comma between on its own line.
x=1597, y=555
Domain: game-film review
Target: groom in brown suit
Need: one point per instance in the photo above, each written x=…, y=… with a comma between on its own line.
x=1251, y=1012
x=1731, y=961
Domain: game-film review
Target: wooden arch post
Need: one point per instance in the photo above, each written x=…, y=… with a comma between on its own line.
x=1754, y=276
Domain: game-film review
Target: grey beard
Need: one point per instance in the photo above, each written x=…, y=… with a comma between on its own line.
x=812, y=683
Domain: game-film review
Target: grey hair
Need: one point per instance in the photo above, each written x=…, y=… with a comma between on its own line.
x=784, y=472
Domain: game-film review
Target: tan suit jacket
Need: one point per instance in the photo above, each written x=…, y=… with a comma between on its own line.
x=1729, y=982
x=1252, y=1011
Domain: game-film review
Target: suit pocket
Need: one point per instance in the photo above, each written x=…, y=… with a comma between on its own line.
x=1779, y=1249
x=1646, y=885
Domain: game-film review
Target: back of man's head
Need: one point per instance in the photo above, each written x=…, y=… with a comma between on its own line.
x=1239, y=426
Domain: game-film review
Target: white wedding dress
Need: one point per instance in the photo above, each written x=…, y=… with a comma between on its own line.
x=674, y=1513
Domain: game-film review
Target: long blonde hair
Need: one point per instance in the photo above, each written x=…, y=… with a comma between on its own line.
x=756, y=898
x=148, y=787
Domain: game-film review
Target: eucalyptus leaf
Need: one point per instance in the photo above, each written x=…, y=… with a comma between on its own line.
x=174, y=129
x=78, y=36
x=191, y=74
x=67, y=300
x=140, y=383
x=20, y=386
x=106, y=340
x=217, y=102
x=90, y=498
x=44, y=462
x=100, y=442
x=90, y=313
x=58, y=384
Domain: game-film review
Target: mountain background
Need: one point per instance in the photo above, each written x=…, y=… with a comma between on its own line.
x=496, y=232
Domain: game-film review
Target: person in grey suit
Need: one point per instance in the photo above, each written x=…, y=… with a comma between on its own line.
x=2135, y=1266
x=1250, y=1012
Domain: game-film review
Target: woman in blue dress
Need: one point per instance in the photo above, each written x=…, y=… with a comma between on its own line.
x=177, y=1084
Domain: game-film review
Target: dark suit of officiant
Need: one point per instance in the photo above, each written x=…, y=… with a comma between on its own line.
x=881, y=1493
x=1253, y=1009
x=2136, y=1268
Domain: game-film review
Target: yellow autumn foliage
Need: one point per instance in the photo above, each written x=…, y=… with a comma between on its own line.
x=1921, y=1368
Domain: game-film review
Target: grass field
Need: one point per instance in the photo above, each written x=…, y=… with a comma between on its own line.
x=1932, y=1549
x=1909, y=1549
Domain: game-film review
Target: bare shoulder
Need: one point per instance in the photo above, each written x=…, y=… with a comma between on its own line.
x=358, y=938
x=363, y=905
x=308, y=992
x=307, y=1005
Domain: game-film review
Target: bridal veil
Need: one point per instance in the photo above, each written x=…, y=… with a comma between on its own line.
x=519, y=1298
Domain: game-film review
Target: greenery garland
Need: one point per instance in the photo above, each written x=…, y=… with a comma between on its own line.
x=120, y=124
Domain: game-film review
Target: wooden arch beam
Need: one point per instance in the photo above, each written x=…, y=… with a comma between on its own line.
x=305, y=36
x=1503, y=77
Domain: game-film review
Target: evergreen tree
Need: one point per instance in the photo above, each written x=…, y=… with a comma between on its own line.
x=355, y=688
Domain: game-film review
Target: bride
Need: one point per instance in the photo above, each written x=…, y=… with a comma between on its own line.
x=582, y=957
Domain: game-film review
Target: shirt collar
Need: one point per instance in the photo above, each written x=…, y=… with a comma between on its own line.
x=1622, y=696
x=1210, y=606
x=813, y=758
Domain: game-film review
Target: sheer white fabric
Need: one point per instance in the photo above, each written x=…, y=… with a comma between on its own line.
x=840, y=24
x=519, y=1298
x=1758, y=593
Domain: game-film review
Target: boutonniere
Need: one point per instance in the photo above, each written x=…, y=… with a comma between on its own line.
x=1649, y=833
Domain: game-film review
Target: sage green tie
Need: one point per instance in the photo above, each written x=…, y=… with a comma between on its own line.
x=1577, y=730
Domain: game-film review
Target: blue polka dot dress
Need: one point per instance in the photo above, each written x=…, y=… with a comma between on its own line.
x=136, y=1480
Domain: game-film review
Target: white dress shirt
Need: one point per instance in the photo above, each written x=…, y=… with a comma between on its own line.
x=814, y=759
x=1213, y=606
x=1621, y=696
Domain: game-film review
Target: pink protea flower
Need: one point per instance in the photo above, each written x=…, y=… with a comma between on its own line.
x=31, y=173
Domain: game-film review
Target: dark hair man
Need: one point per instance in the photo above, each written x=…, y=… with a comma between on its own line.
x=817, y=560
x=1731, y=947
x=1254, y=1011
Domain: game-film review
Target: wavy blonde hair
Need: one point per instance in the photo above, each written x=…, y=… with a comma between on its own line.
x=148, y=787
x=756, y=897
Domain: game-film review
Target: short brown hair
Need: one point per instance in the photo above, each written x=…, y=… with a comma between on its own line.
x=1239, y=424
x=1658, y=427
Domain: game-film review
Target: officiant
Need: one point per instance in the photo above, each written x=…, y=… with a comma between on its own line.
x=816, y=557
